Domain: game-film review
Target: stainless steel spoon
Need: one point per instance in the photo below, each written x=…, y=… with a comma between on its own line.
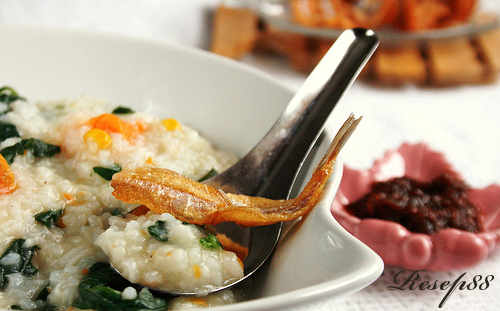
x=270, y=168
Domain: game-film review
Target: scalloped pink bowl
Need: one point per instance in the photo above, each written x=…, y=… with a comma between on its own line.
x=449, y=249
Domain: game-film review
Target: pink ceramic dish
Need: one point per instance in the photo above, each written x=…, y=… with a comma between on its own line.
x=449, y=249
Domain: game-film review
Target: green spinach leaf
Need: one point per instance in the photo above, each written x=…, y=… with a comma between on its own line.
x=159, y=231
x=211, y=242
x=3, y=279
x=49, y=218
x=7, y=96
x=213, y=172
x=122, y=110
x=107, y=172
x=101, y=290
x=7, y=130
x=117, y=212
x=35, y=146
x=23, y=265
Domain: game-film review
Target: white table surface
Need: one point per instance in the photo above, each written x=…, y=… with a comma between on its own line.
x=463, y=122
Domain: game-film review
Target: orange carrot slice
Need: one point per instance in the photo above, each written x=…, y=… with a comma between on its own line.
x=7, y=177
x=113, y=124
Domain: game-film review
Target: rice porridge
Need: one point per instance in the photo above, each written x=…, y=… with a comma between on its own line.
x=59, y=220
x=164, y=253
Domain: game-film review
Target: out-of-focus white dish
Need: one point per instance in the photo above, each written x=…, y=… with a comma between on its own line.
x=231, y=104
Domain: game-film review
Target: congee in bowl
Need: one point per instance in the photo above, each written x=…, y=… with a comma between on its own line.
x=59, y=220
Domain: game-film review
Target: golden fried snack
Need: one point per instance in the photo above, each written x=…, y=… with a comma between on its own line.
x=318, y=13
x=406, y=15
x=421, y=14
x=165, y=191
x=460, y=10
x=367, y=13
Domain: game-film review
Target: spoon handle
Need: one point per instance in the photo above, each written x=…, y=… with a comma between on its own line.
x=270, y=168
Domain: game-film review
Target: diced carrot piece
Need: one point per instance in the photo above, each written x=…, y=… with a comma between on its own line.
x=197, y=271
x=229, y=245
x=60, y=223
x=141, y=125
x=7, y=177
x=140, y=210
x=113, y=124
x=69, y=197
x=241, y=263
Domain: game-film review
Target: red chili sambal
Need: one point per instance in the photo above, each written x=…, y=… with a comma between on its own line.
x=421, y=207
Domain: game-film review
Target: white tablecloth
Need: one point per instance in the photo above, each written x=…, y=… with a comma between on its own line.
x=462, y=122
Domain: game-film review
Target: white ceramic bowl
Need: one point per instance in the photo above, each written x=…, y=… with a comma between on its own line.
x=231, y=104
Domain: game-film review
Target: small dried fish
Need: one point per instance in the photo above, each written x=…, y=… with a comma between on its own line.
x=165, y=191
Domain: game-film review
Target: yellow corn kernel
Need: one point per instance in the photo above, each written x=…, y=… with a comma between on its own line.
x=171, y=124
x=197, y=271
x=100, y=137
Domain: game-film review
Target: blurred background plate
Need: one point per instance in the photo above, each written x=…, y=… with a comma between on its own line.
x=278, y=14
